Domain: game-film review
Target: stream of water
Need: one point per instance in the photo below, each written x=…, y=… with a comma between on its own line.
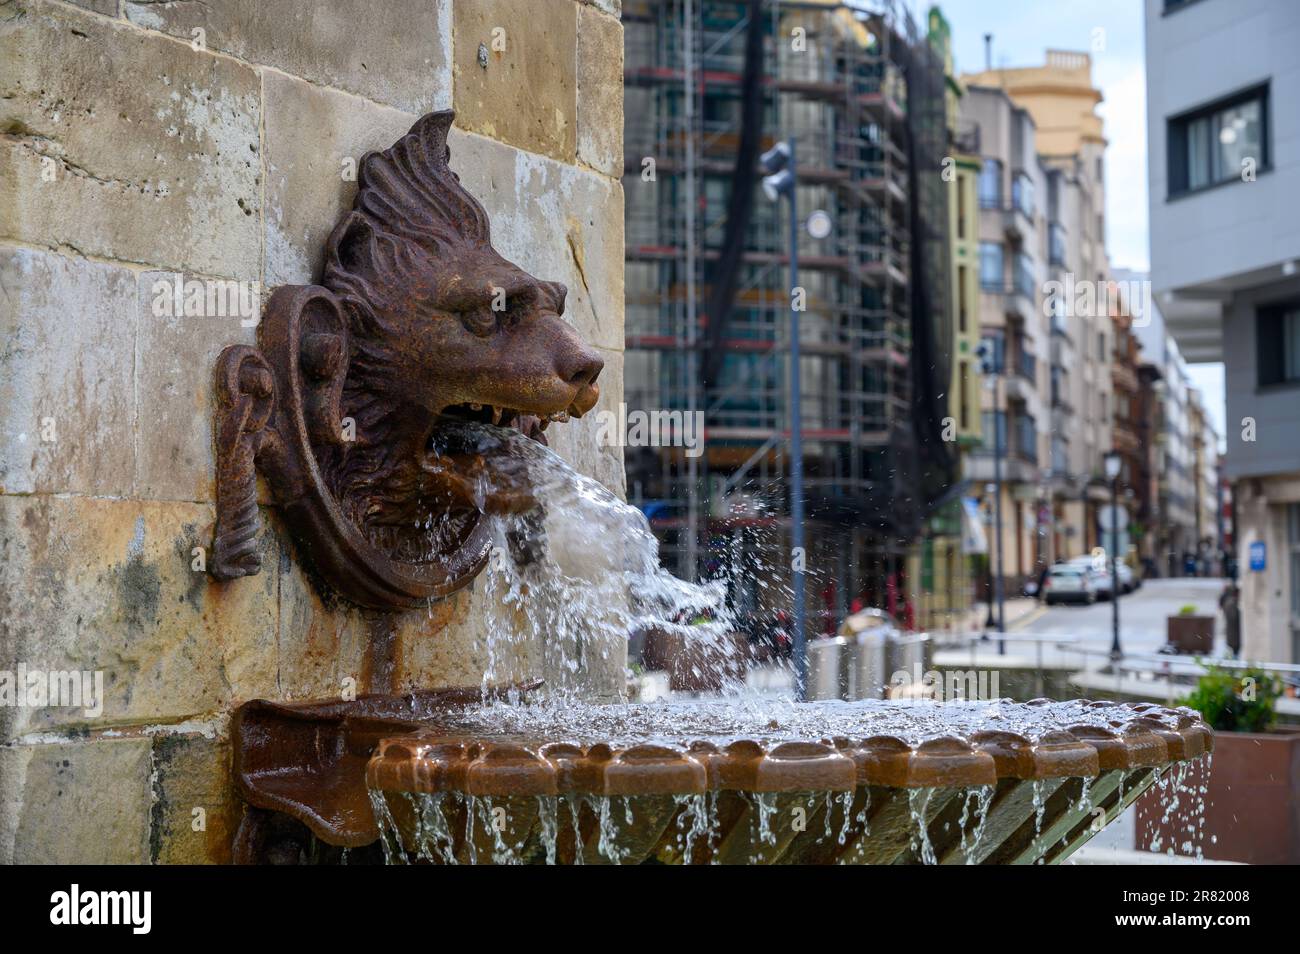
x=569, y=580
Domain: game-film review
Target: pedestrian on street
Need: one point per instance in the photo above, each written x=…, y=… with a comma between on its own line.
x=1230, y=603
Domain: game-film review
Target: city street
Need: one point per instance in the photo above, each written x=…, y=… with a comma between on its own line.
x=1142, y=615
x=1040, y=634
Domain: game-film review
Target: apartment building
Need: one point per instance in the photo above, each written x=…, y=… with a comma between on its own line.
x=1013, y=328
x=1205, y=480
x=1131, y=436
x=1060, y=99
x=1224, y=171
x=1173, y=519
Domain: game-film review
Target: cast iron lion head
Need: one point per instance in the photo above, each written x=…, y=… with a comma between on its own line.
x=418, y=321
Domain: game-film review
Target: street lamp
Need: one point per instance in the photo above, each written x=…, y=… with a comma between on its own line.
x=780, y=180
x=989, y=367
x=1113, y=463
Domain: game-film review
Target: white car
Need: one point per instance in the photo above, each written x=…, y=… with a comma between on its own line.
x=1127, y=578
x=1068, y=583
x=1099, y=572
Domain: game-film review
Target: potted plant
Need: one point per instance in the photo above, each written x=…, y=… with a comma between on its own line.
x=1250, y=809
x=1189, y=632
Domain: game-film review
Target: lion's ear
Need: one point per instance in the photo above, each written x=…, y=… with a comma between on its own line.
x=351, y=247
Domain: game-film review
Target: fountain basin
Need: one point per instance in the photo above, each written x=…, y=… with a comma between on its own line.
x=856, y=783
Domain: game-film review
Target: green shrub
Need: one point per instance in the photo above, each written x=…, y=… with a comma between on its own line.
x=1187, y=610
x=1236, y=701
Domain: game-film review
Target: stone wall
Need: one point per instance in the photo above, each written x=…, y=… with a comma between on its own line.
x=218, y=141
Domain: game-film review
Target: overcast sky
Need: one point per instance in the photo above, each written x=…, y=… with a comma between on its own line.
x=1112, y=32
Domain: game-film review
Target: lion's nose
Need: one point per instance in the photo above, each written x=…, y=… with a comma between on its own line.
x=583, y=368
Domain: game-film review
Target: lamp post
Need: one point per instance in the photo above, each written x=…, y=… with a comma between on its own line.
x=778, y=163
x=990, y=368
x=1113, y=463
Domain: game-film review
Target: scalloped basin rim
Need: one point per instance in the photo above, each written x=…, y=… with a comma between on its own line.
x=315, y=761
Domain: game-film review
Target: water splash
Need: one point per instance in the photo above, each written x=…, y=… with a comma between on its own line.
x=581, y=567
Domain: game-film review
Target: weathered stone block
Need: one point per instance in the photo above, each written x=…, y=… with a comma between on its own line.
x=447, y=645
x=397, y=52
x=321, y=642
x=195, y=808
x=558, y=223
x=175, y=358
x=106, y=7
x=67, y=388
x=315, y=139
x=84, y=802
x=97, y=584
x=600, y=91
x=124, y=144
x=515, y=73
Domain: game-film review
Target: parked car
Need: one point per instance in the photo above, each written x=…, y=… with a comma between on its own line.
x=1068, y=583
x=1128, y=580
x=1098, y=574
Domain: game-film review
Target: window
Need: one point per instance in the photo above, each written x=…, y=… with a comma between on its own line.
x=1026, y=438
x=963, y=388
x=962, y=305
x=1056, y=244
x=1022, y=194
x=1277, y=338
x=1056, y=309
x=990, y=184
x=1060, y=456
x=994, y=424
x=1216, y=143
x=961, y=206
x=991, y=266
x=1025, y=283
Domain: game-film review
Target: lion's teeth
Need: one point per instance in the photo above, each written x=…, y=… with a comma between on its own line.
x=475, y=407
x=496, y=414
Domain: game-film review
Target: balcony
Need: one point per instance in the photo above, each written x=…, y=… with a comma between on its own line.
x=1020, y=303
x=1025, y=365
x=977, y=467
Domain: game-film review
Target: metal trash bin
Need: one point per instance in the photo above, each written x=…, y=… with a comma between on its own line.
x=830, y=667
x=909, y=653
x=869, y=673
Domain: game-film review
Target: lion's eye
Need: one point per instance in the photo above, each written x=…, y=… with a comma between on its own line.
x=480, y=321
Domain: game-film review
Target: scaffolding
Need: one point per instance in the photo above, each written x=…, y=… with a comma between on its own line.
x=835, y=79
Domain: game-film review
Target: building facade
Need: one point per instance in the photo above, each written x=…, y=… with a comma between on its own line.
x=1013, y=329
x=1080, y=407
x=1224, y=147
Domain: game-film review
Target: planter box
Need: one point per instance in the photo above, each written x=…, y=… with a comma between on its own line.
x=1191, y=634
x=1252, y=803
